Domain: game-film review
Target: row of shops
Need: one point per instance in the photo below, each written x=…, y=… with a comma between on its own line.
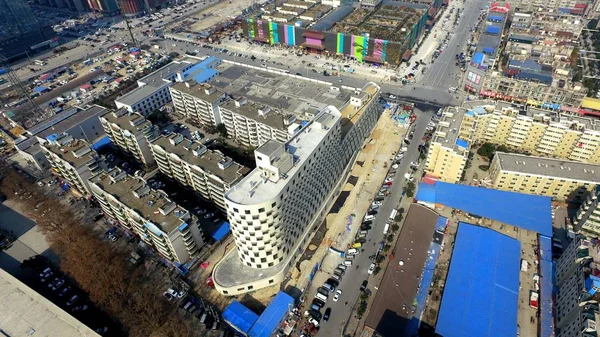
x=589, y=106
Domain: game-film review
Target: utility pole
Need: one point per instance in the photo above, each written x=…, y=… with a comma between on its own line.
x=20, y=87
x=133, y=40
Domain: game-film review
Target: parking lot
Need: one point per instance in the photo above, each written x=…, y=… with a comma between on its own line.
x=48, y=281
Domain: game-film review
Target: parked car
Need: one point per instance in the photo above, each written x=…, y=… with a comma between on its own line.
x=58, y=284
x=337, y=295
x=371, y=269
x=72, y=300
x=363, y=286
x=327, y=314
x=209, y=215
x=80, y=308
x=64, y=291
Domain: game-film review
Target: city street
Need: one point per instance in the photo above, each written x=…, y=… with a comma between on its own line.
x=357, y=273
x=443, y=73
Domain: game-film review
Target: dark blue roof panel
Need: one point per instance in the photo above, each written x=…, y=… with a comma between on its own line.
x=481, y=294
x=530, y=212
x=495, y=30
x=239, y=317
x=272, y=316
x=546, y=287
x=221, y=231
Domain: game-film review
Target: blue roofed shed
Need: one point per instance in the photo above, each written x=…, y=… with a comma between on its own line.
x=462, y=143
x=478, y=58
x=205, y=75
x=493, y=30
x=239, y=317
x=530, y=212
x=488, y=50
x=547, y=282
x=40, y=89
x=275, y=312
x=481, y=293
x=222, y=231
x=202, y=72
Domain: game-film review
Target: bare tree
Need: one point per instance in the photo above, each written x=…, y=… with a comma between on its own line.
x=97, y=267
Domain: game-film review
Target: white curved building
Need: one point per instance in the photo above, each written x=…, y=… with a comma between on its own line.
x=274, y=210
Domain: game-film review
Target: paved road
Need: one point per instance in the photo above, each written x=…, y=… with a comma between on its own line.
x=350, y=284
x=85, y=49
x=30, y=241
x=444, y=73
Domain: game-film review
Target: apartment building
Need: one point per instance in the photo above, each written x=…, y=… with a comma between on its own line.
x=538, y=132
x=74, y=161
x=448, y=152
x=575, y=7
x=556, y=178
x=149, y=214
x=153, y=89
x=79, y=122
x=537, y=68
x=253, y=124
x=131, y=133
x=208, y=172
x=255, y=105
x=577, y=312
x=276, y=208
x=587, y=219
x=198, y=102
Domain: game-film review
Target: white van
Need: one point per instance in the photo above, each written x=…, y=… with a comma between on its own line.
x=352, y=251
x=386, y=228
x=321, y=297
x=369, y=217
x=393, y=215
x=348, y=262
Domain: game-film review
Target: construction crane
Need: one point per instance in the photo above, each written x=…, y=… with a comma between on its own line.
x=133, y=40
x=21, y=89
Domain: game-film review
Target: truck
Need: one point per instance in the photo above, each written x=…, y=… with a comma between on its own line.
x=393, y=214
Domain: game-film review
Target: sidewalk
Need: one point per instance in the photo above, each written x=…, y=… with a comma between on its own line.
x=375, y=157
x=279, y=54
x=356, y=327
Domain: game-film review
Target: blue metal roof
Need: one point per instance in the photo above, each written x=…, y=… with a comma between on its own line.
x=440, y=225
x=40, y=89
x=221, y=231
x=481, y=293
x=272, y=316
x=547, y=280
x=204, y=75
x=478, y=58
x=462, y=143
x=100, y=142
x=239, y=317
x=488, y=50
x=530, y=212
x=495, y=18
x=495, y=30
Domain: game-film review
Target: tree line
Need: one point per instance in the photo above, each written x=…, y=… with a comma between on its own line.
x=97, y=267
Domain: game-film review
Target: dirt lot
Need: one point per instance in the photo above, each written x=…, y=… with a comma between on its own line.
x=393, y=304
x=218, y=13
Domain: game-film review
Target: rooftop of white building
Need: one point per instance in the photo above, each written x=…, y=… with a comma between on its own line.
x=24, y=312
x=549, y=167
x=254, y=188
